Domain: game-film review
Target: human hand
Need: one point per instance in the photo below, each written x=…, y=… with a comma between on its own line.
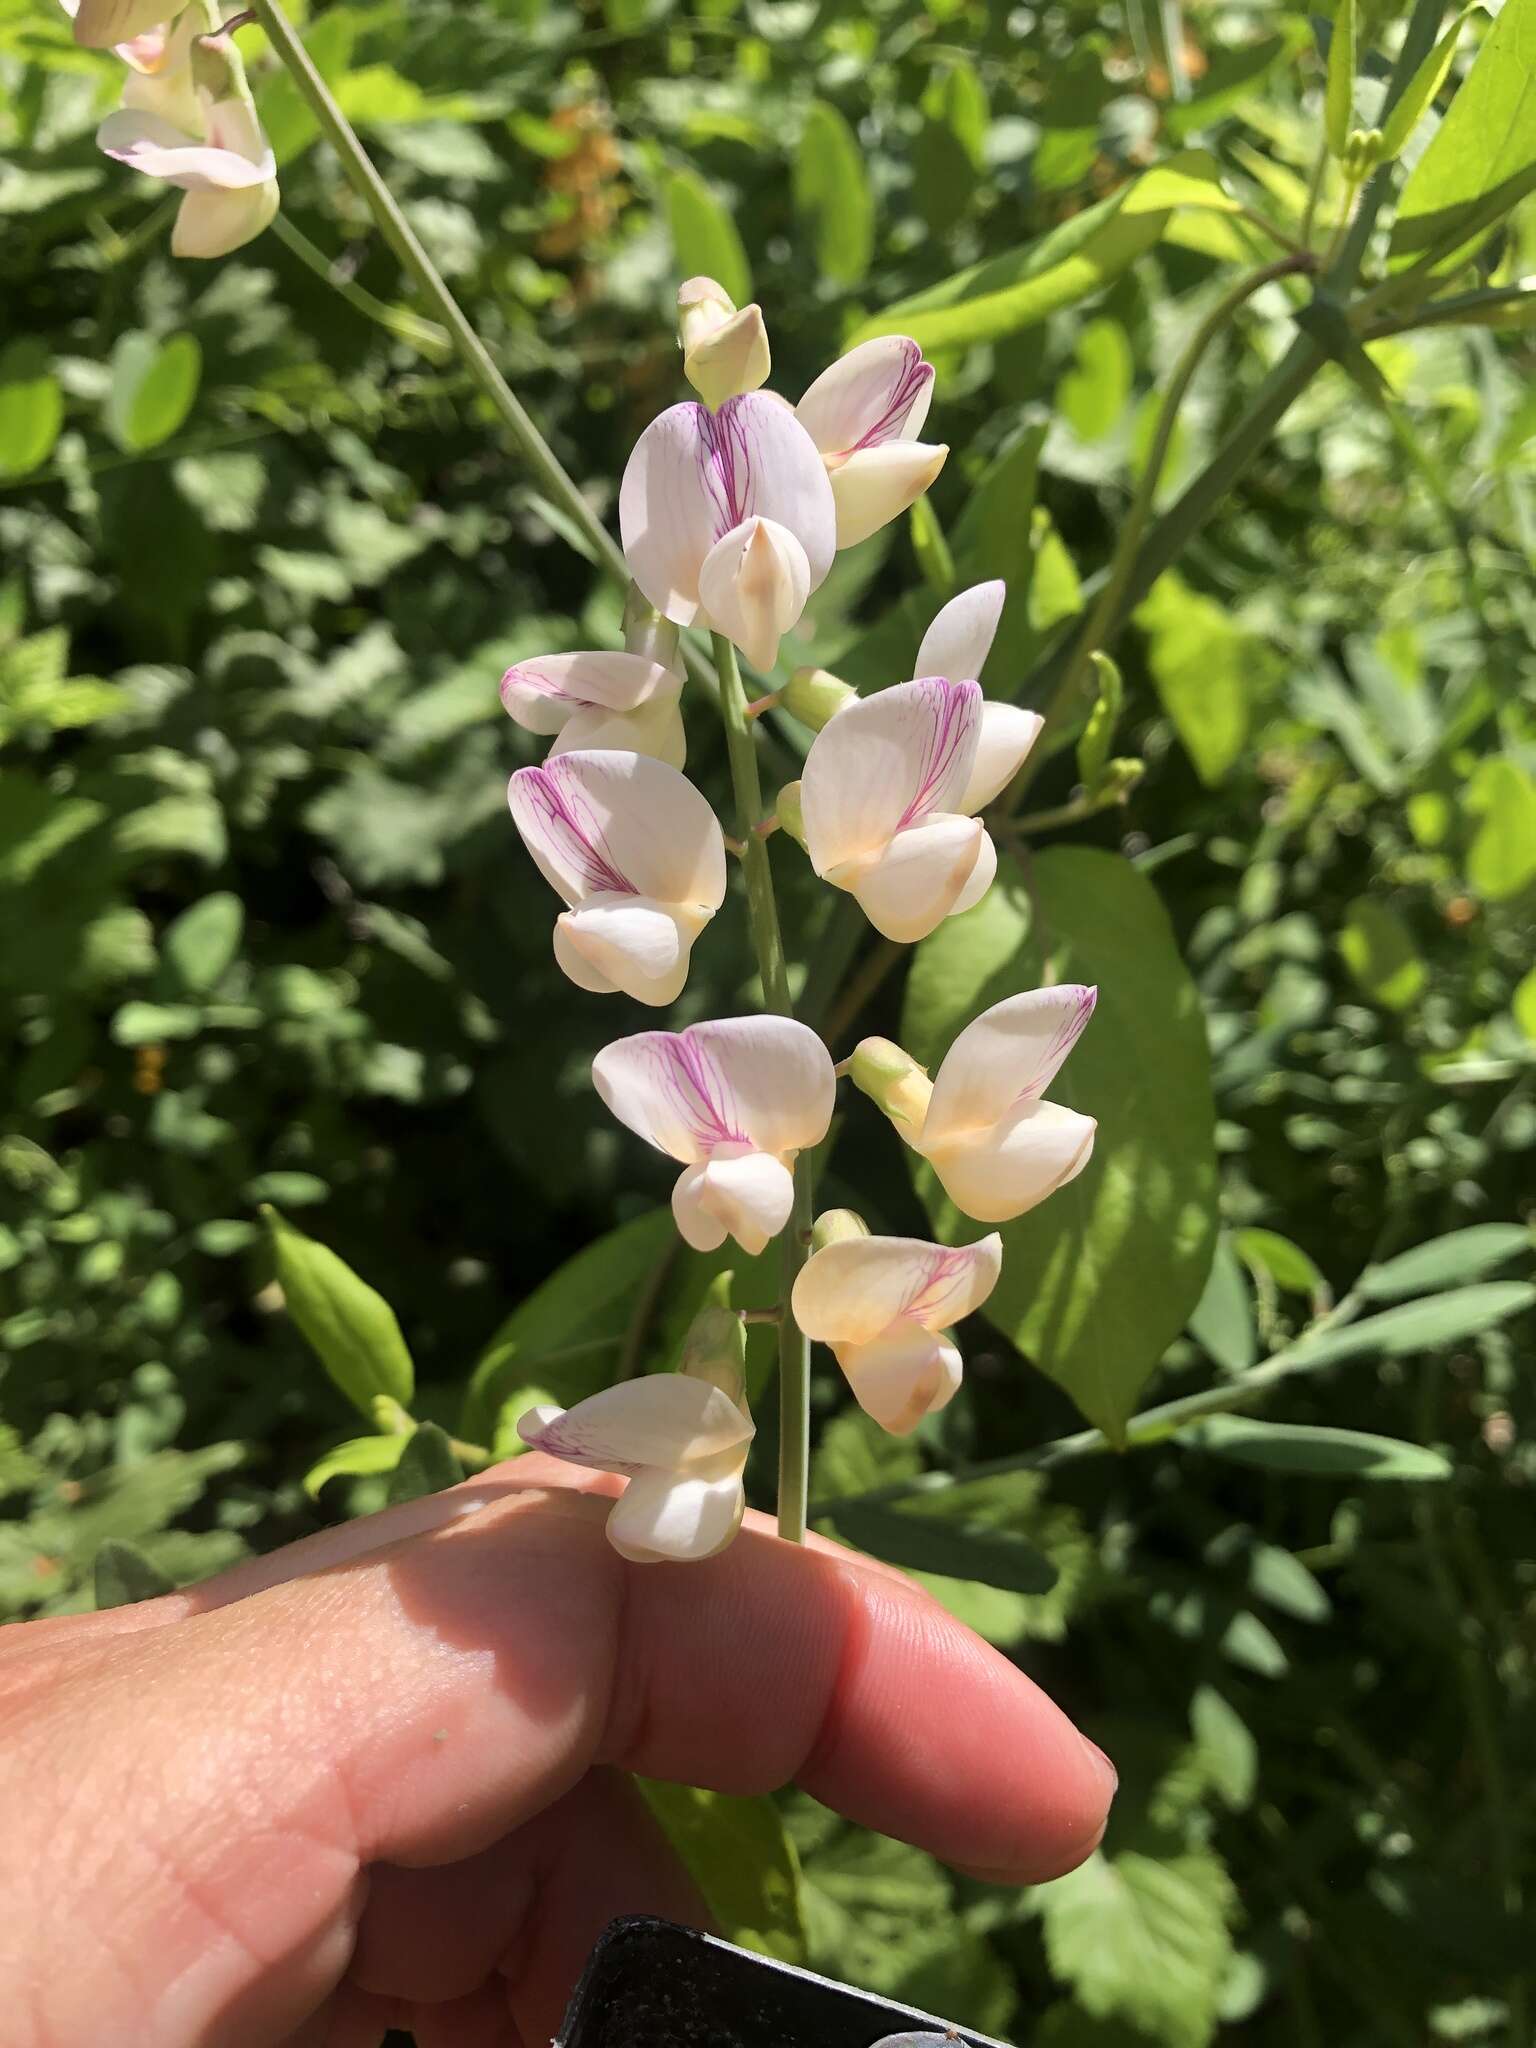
x=377, y=1778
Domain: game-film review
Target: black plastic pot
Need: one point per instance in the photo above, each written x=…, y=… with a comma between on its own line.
x=652, y=1985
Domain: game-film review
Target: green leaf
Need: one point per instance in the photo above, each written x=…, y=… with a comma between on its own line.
x=831, y=189
x=1143, y=1938
x=1523, y=1004
x=1432, y=1325
x=1230, y=78
x=1286, y=1263
x=565, y=1336
x=1378, y=949
x=360, y=1457
x=1204, y=669
x=352, y=1329
x=153, y=387
x=1226, y=1747
x=742, y=1861
x=1423, y=88
x=1093, y=393
x=1501, y=859
x=705, y=241
x=1008, y=293
x=426, y=1464
x=153, y=1023
x=931, y=549
x=201, y=944
x=1449, y=1261
x=31, y=408
x=1055, y=589
x=1339, y=99
x=1222, y=1323
x=1098, y=1280
x=124, y=1575
x=1483, y=157
x=1308, y=1447
x=953, y=1549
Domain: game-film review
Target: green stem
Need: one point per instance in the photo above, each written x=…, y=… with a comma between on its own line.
x=1464, y=308
x=768, y=943
x=425, y=335
x=1314, y=194
x=397, y=231
x=1112, y=599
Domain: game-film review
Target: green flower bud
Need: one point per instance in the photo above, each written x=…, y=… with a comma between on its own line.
x=789, y=815
x=814, y=696
x=833, y=1226
x=390, y=1418
x=648, y=634
x=892, y=1080
x=715, y=1347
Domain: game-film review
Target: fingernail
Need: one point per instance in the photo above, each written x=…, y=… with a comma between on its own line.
x=1103, y=1766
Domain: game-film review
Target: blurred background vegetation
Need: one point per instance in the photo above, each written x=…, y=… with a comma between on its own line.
x=266, y=936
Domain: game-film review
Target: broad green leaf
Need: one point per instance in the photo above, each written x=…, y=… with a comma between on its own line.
x=742, y=1861
x=154, y=384
x=965, y=110
x=360, y=1457
x=1226, y=1746
x=1434, y=1324
x=1308, y=1447
x=1055, y=589
x=426, y=1464
x=31, y=407
x=953, y=1549
x=1339, y=98
x=124, y=1575
x=1501, y=858
x=1483, y=157
x=566, y=1335
x=352, y=1329
x=1378, y=949
x=705, y=241
x=1449, y=1261
x=1222, y=1323
x=201, y=944
x=1093, y=393
x=1144, y=1939
x=1007, y=293
x=831, y=188
x=1205, y=670
x=1286, y=1263
x=1523, y=1003
x=1098, y=1280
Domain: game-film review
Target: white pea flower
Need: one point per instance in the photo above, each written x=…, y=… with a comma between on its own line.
x=864, y=414
x=725, y=352
x=884, y=1304
x=195, y=127
x=135, y=30
x=957, y=644
x=727, y=519
x=734, y=1102
x=596, y=701
x=639, y=858
x=997, y=1147
x=682, y=1441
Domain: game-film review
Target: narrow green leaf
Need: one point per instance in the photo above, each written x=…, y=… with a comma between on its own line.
x=1423, y=88
x=153, y=388
x=1286, y=1263
x=1226, y=1746
x=1450, y=1261
x=352, y=1329
x=426, y=1464
x=31, y=408
x=744, y=1864
x=1339, y=100
x=1482, y=160
x=931, y=548
x=1435, y=1324
x=831, y=189
x=705, y=239
x=124, y=1575
x=358, y=1458
x=954, y=1549
x=1222, y=1323
x=1308, y=1447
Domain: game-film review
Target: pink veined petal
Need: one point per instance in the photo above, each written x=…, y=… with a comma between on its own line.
x=1008, y=1055
x=872, y=485
x=640, y=947
x=849, y=1292
x=960, y=639
x=980, y=879
x=905, y=1373
x=150, y=144
x=744, y=1195
x=666, y=1419
x=1001, y=1172
x=616, y=822
x=886, y=762
x=1007, y=734
x=758, y=1083
x=921, y=878
x=677, y=1518
x=753, y=585
x=615, y=682
x=876, y=393
x=217, y=223
x=654, y=728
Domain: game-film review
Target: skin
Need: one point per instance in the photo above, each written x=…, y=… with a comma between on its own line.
x=378, y=1778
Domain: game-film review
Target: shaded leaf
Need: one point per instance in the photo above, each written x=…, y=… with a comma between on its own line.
x=351, y=1327
x=738, y=1854
x=1309, y=1447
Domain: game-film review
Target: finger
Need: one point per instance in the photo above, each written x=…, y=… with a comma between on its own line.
x=420, y=1701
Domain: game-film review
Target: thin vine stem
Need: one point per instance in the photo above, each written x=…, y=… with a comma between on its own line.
x=423, y=335
x=768, y=943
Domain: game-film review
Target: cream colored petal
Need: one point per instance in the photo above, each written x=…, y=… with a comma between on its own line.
x=613, y=681
x=919, y=880
x=664, y=1419
x=886, y=762
x=959, y=640
x=620, y=822
x=665, y=1517
x=1006, y=736
x=851, y=1291
x=761, y=1084
x=642, y=947
x=753, y=585
x=217, y=223
x=980, y=879
x=873, y=485
x=1002, y=1172
x=654, y=728
x=1006, y=1056
x=905, y=1373
x=101, y=23
x=747, y=1197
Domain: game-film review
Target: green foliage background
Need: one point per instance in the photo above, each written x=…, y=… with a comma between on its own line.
x=267, y=938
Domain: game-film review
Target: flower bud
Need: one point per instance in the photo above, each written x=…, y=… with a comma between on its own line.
x=1361, y=153
x=789, y=815
x=834, y=1226
x=715, y=1347
x=892, y=1080
x=725, y=353
x=648, y=634
x=390, y=1418
x=1119, y=778
x=815, y=695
